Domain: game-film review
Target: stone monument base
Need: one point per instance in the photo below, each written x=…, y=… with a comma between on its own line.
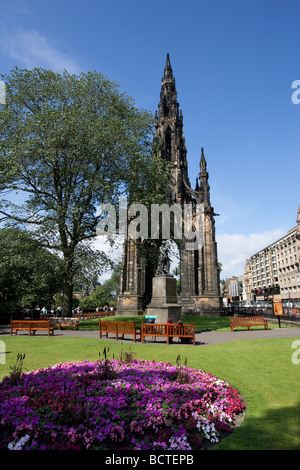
x=164, y=299
x=164, y=312
x=130, y=304
x=206, y=305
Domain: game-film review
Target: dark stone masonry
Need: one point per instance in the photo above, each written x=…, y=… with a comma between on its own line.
x=199, y=273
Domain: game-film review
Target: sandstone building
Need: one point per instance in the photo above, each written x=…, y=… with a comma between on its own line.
x=274, y=270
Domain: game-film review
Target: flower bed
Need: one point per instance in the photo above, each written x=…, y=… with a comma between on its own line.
x=116, y=405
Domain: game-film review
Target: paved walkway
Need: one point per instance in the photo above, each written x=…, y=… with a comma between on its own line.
x=202, y=338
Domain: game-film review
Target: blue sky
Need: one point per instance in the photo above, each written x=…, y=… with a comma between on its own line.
x=234, y=62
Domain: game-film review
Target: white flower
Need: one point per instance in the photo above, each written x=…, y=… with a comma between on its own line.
x=19, y=445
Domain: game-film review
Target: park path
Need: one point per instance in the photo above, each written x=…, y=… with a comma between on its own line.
x=203, y=338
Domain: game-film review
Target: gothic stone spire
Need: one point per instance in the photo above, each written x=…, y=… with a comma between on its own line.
x=168, y=73
x=168, y=106
x=203, y=177
x=169, y=137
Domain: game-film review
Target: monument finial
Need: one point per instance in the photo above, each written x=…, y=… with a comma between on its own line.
x=202, y=162
x=168, y=72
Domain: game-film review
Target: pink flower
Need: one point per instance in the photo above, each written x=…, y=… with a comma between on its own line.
x=70, y=406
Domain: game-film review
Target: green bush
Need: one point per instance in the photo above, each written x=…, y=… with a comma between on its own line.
x=98, y=298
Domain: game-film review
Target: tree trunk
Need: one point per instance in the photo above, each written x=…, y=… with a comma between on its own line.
x=67, y=300
x=67, y=289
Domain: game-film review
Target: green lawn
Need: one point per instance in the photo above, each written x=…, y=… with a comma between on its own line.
x=262, y=370
x=201, y=323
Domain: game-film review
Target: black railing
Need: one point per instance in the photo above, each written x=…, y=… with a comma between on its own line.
x=289, y=313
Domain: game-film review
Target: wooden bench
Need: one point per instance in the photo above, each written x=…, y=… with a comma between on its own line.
x=248, y=322
x=183, y=332
x=31, y=325
x=59, y=322
x=118, y=328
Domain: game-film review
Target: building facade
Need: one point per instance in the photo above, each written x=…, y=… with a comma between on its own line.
x=274, y=270
x=234, y=290
x=199, y=271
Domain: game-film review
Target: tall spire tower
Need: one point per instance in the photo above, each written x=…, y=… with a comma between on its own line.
x=169, y=141
x=199, y=273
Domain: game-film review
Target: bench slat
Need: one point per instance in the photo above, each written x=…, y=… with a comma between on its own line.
x=167, y=331
x=248, y=322
x=31, y=326
x=118, y=328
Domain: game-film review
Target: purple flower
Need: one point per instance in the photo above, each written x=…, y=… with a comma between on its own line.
x=144, y=406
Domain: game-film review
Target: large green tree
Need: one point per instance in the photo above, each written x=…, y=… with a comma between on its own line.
x=71, y=143
x=29, y=274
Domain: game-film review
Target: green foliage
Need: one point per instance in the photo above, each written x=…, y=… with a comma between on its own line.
x=127, y=357
x=181, y=375
x=112, y=286
x=105, y=370
x=70, y=144
x=106, y=294
x=98, y=298
x=59, y=301
x=29, y=274
x=17, y=369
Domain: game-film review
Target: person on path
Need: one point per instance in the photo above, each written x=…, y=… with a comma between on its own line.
x=170, y=322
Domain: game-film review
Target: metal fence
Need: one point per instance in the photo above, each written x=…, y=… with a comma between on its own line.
x=289, y=313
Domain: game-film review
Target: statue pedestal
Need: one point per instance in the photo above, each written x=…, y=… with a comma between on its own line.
x=130, y=304
x=164, y=299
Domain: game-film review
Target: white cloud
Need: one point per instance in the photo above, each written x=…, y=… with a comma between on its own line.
x=114, y=253
x=234, y=249
x=31, y=49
